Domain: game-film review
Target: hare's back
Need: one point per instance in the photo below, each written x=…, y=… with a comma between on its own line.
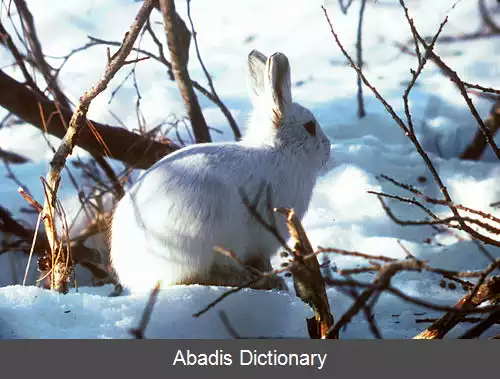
x=193, y=187
x=223, y=160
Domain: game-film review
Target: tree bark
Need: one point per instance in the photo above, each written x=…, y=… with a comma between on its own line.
x=133, y=149
x=178, y=41
x=487, y=291
x=476, y=148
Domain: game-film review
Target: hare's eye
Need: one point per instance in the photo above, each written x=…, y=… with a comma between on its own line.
x=310, y=127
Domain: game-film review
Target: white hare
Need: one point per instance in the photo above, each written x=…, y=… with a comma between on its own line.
x=166, y=226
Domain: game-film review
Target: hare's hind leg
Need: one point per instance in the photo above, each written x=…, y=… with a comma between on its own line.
x=263, y=264
x=233, y=275
x=224, y=275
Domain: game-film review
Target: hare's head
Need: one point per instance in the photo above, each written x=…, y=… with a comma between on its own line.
x=276, y=119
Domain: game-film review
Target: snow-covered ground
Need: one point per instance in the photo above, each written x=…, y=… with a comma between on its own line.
x=342, y=214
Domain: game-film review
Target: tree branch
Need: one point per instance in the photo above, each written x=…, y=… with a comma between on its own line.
x=61, y=266
x=37, y=110
x=178, y=41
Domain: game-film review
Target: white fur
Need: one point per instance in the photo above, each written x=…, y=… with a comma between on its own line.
x=165, y=227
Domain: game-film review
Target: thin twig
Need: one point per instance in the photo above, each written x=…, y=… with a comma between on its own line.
x=477, y=330
x=359, y=58
x=222, y=106
x=77, y=123
x=481, y=293
x=381, y=283
x=139, y=332
x=411, y=135
x=178, y=41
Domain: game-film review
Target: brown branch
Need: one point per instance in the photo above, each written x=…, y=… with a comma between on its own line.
x=94, y=41
x=377, y=94
x=161, y=58
x=422, y=60
x=7, y=41
x=249, y=284
x=467, y=37
x=38, y=60
x=345, y=7
x=37, y=53
x=178, y=41
x=308, y=281
x=460, y=220
x=477, y=330
x=138, y=332
x=77, y=123
x=10, y=157
x=487, y=30
x=487, y=20
x=484, y=129
x=9, y=225
x=449, y=274
x=408, y=131
x=431, y=200
x=476, y=148
x=448, y=221
x=133, y=149
x=454, y=77
x=359, y=58
x=81, y=254
x=35, y=204
x=409, y=299
x=441, y=327
x=356, y=284
x=228, y=326
x=486, y=90
x=218, y=101
x=270, y=227
x=230, y=292
x=354, y=254
x=380, y=283
x=435, y=220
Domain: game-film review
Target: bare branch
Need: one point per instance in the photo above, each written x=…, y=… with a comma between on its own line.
x=359, y=58
x=161, y=58
x=488, y=21
x=484, y=129
x=478, y=145
x=178, y=40
x=7, y=41
x=308, y=282
x=37, y=53
x=410, y=299
x=222, y=106
x=128, y=147
x=77, y=123
x=483, y=292
x=408, y=129
x=381, y=283
x=11, y=157
x=477, y=330
x=139, y=332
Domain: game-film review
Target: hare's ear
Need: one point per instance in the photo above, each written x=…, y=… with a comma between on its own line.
x=279, y=81
x=256, y=72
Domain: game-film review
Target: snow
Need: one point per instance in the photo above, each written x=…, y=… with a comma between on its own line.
x=342, y=214
x=90, y=314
